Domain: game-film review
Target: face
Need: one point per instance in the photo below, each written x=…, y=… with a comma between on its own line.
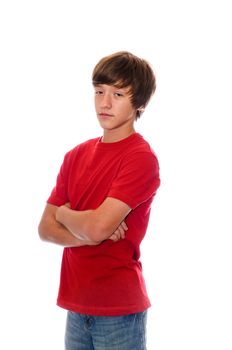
x=113, y=107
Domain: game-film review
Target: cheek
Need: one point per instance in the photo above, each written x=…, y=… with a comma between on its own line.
x=95, y=102
x=131, y=112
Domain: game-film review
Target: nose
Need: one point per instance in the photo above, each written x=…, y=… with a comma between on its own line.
x=106, y=101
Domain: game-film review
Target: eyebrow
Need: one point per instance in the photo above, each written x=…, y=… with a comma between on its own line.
x=125, y=89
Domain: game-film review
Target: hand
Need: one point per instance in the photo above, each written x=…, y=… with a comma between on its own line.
x=120, y=232
x=59, y=211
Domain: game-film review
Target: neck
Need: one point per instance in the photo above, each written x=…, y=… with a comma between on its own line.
x=113, y=136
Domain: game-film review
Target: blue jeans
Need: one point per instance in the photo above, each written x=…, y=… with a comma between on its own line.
x=85, y=332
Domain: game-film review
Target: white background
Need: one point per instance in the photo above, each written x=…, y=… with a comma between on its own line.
x=48, y=50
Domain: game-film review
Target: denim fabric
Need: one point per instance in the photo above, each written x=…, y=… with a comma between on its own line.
x=85, y=332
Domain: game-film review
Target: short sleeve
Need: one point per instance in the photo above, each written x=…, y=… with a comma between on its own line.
x=59, y=195
x=137, y=179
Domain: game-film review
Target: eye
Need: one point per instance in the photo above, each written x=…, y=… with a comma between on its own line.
x=118, y=94
x=98, y=92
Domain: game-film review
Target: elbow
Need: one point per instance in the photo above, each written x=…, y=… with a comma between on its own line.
x=42, y=232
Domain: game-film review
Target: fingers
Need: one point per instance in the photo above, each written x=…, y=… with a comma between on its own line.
x=115, y=236
x=120, y=232
x=124, y=225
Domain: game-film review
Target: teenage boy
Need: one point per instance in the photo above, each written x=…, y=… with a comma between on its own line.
x=99, y=211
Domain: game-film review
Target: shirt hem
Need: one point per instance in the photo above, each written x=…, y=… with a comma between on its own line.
x=103, y=311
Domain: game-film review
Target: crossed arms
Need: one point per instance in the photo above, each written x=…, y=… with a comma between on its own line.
x=72, y=228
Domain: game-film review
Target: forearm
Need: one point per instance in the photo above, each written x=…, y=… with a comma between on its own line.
x=58, y=234
x=79, y=223
x=94, y=225
x=51, y=230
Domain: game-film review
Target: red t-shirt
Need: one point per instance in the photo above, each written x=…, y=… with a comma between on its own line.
x=107, y=279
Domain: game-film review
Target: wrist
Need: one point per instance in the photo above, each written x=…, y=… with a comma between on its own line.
x=59, y=213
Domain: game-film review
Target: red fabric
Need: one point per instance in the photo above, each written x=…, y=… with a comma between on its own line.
x=107, y=279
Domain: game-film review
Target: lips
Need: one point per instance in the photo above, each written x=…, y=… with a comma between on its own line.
x=105, y=115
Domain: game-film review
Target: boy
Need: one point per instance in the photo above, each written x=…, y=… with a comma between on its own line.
x=99, y=211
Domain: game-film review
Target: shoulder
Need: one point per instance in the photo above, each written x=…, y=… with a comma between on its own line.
x=140, y=149
x=139, y=161
x=82, y=148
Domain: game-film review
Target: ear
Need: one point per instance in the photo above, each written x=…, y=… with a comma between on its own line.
x=141, y=109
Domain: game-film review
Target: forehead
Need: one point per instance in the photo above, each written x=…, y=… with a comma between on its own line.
x=113, y=87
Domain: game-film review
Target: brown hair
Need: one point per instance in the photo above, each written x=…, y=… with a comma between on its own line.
x=123, y=69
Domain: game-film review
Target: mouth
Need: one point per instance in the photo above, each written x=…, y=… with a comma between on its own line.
x=104, y=115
